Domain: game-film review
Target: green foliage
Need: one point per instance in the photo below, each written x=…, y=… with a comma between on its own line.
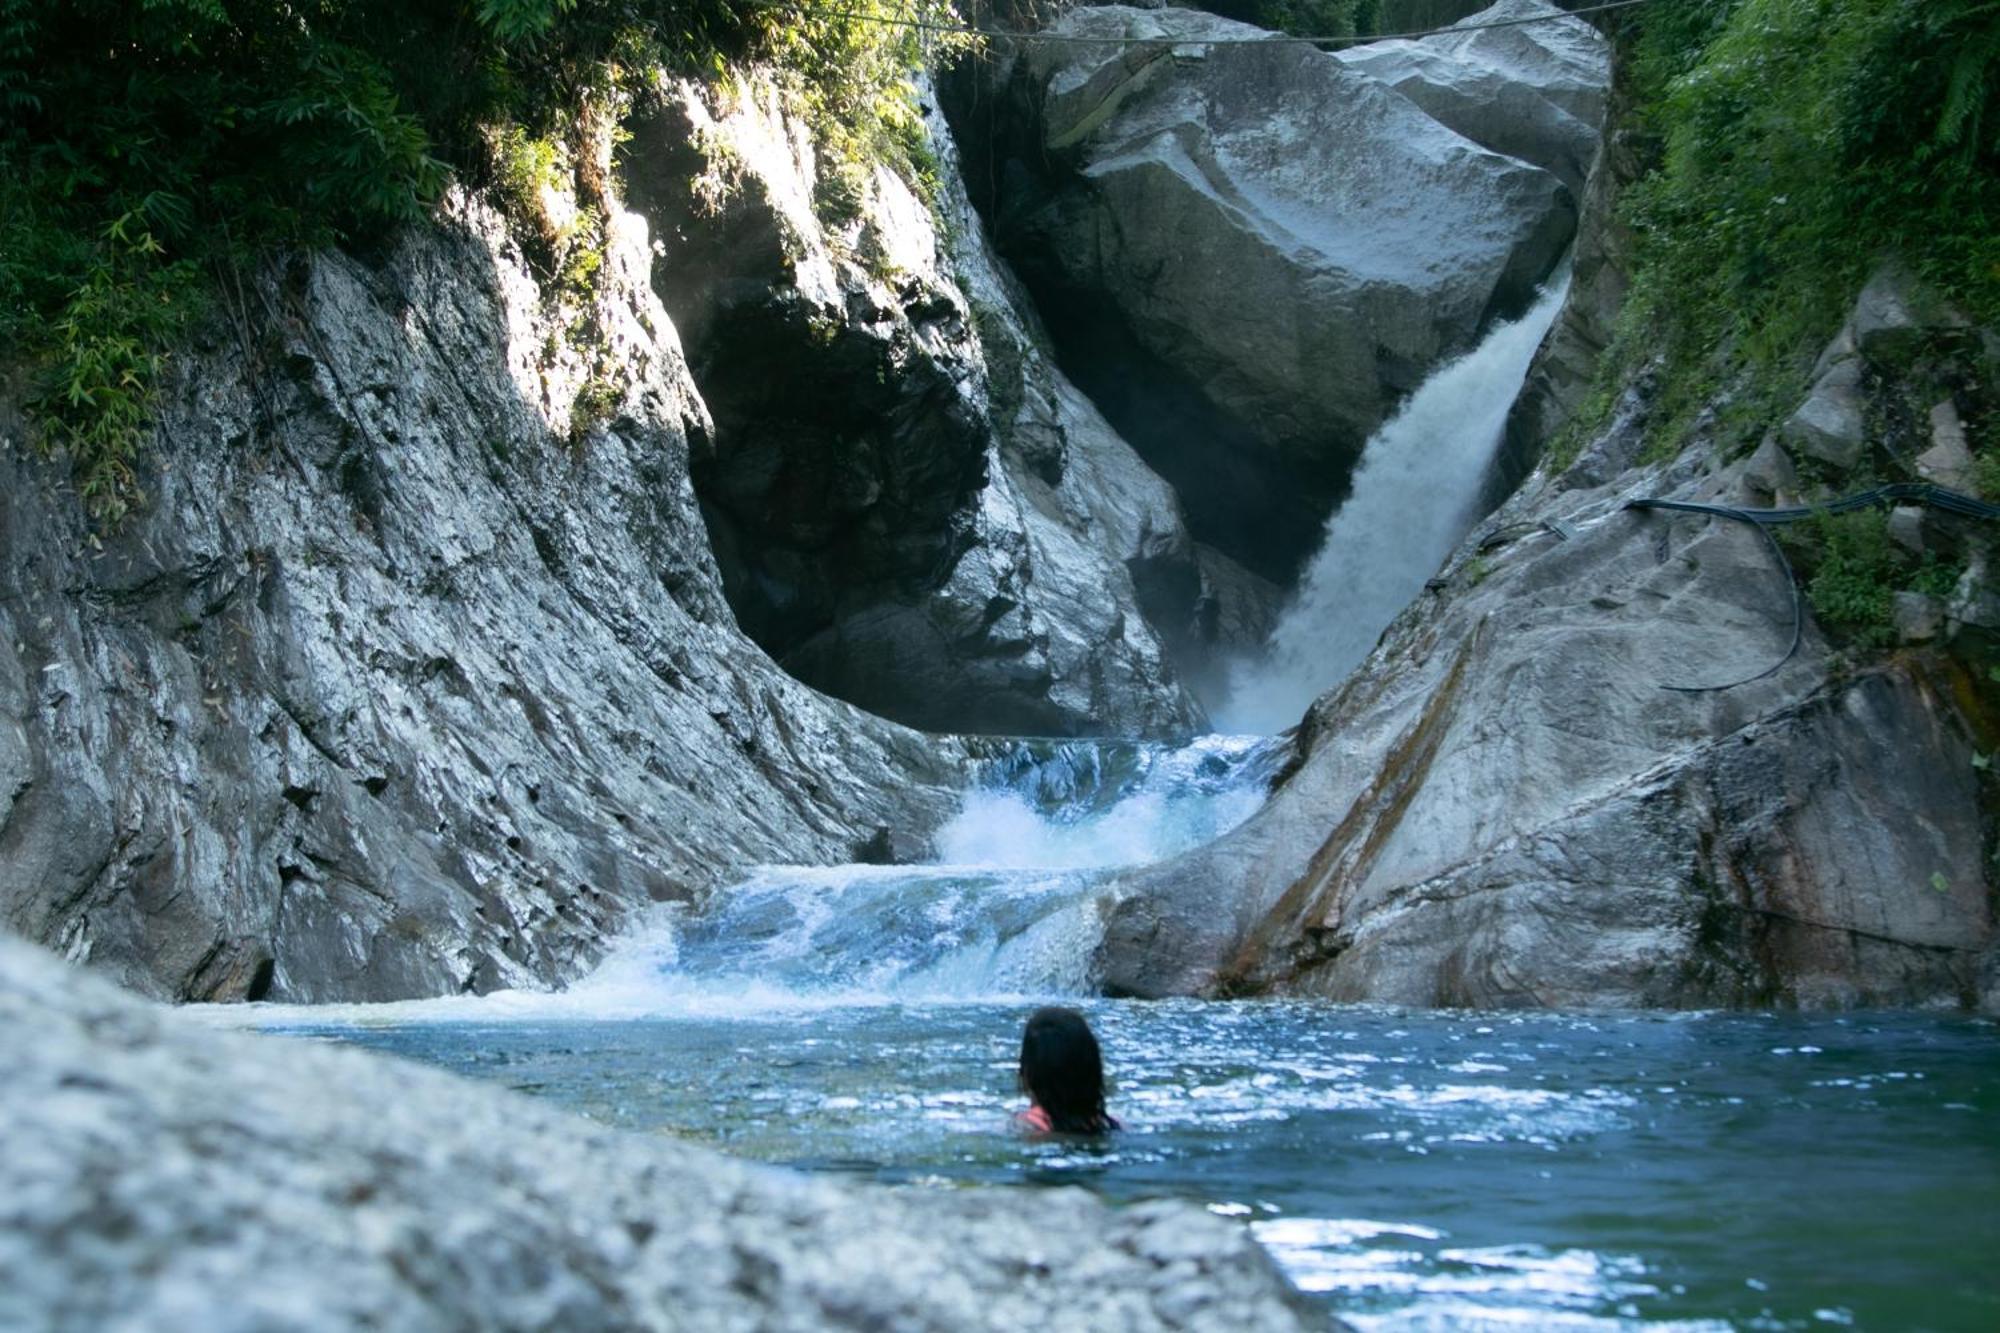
x=105, y=340
x=1302, y=18
x=1986, y=474
x=1310, y=18
x=523, y=167
x=849, y=65
x=146, y=145
x=1799, y=140
x=1855, y=571
x=1852, y=588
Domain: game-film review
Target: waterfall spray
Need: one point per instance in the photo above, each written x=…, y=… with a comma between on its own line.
x=1415, y=494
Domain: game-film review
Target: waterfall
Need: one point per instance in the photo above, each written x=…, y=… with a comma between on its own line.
x=1007, y=909
x=1415, y=493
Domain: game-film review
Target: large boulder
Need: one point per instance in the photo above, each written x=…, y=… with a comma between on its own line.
x=1534, y=89
x=1248, y=251
x=165, y=1176
x=914, y=511
x=414, y=674
x=1532, y=795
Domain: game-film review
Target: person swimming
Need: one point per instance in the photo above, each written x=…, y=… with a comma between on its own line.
x=1062, y=1072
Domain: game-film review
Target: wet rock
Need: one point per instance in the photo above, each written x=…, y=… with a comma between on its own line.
x=188, y=1178
x=1504, y=806
x=1535, y=91
x=1564, y=371
x=414, y=675
x=1206, y=225
x=928, y=520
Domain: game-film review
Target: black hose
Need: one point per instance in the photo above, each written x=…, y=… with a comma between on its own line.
x=1784, y=564
x=1937, y=497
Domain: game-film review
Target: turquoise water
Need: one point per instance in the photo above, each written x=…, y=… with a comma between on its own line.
x=1418, y=1170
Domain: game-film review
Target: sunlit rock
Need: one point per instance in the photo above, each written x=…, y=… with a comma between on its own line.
x=914, y=511
x=1534, y=90
x=414, y=674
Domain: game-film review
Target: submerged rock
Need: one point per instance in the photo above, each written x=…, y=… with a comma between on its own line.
x=914, y=511
x=1248, y=250
x=182, y=1178
x=414, y=675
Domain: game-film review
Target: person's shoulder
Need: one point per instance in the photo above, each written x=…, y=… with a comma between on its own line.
x=1034, y=1120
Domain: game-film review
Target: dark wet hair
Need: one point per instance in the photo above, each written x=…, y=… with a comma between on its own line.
x=1062, y=1069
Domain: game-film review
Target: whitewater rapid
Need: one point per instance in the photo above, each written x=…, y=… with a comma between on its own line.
x=1007, y=909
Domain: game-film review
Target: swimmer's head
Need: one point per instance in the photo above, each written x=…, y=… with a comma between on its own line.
x=1062, y=1069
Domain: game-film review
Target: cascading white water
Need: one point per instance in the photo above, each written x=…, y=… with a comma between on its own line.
x=1006, y=910
x=1415, y=493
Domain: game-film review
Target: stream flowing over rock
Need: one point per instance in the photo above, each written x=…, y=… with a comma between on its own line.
x=1250, y=250
x=410, y=677
x=1538, y=792
x=170, y=1177
x=913, y=509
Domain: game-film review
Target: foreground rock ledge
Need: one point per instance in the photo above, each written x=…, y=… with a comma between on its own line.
x=164, y=1176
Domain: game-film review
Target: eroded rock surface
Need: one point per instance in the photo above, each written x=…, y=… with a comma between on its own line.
x=170, y=1177
x=1250, y=251
x=415, y=673
x=914, y=511
x=1503, y=807
x=1511, y=803
x=1534, y=91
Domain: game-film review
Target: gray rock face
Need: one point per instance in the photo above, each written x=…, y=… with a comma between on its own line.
x=1249, y=251
x=1565, y=368
x=1535, y=91
x=411, y=677
x=914, y=511
x=1503, y=806
x=180, y=1178
x=1829, y=424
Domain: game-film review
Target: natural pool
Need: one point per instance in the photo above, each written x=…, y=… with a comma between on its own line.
x=1421, y=1170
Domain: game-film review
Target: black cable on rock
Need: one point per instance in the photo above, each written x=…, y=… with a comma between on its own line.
x=1923, y=492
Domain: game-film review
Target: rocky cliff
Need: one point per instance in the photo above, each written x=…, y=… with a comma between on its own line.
x=913, y=509
x=415, y=673
x=1250, y=251
x=1594, y=766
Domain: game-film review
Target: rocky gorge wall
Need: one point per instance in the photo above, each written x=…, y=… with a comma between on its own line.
x=462, y=624
x=445, y=640
x=1249, y=252
x=928, y=520
x=1571, y=774
x=413, y=676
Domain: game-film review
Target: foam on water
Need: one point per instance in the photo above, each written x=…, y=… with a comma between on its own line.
x=1008, y=911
